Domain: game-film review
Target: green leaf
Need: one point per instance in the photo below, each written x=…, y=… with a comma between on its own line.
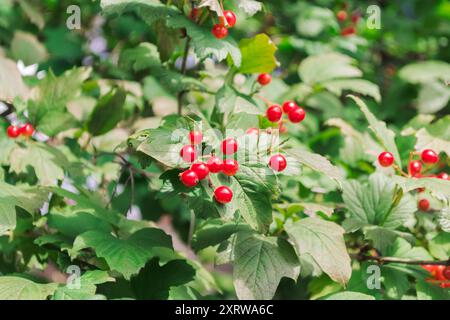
x=17, y=288
x=444, y=219
x=11, y=83
x=435, y=136
x=48, y=162
x=26, y=47
x=438, y=187
x=385, y=136
x=312, y=20
x=47, y=109
x=72, y=224
x=440, y=246
x=258, y=54
x=324, y=242
x=107, y=113
x=425, y=72
x=126, y=256
x=144, y=56
x=327, y=66
x=395, y=282
x=349, y=295
x=33, y=12
x=428, y=291
x=433, y=97
x=373, y=203
x=87, y=289
x=250, y=7
x=29, y=199
x=317, y=163
x=204, y=43
x=161, y=279
x=356, y=85
x=259, y=264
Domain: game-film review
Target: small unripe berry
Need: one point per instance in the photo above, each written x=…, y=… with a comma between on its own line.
x=424, y=205
x=230, y=17
x=264, y=79
x=200, y=169
x=386, y=159
x=229, y=146
x=189, y=178
x=429, y=156
x=13, y=132
x=195, y=137
x=230, y=167
x=278, y=162
x=414, y=168
x=188, y=153
x=219, y=31
x=274, y=113
x=214, y=164
x=223, y=194
x=297, y=115
x=288, y=106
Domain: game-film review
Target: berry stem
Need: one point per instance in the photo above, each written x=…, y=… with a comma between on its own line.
x=400, y=171
x=382, y=260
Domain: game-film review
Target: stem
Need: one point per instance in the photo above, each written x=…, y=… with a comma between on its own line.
x=183, y=67
x=382, y=260
x=191, y=228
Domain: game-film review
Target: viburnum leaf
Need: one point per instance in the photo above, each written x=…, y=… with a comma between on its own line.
x=324, y=242
x=144, y=56
x=47, y=108
x=433, y=97
x=27, y=198
x=250, y=7
x=126, y=256
x=385, y=136
x=87, y=288
x=439, y=245
x=203, y=42
x=425, y=71
x=259, y=264
x=11, y=83
x=17, y=288
x=26, y=47
x=318, y=163
x=107, y=113
x=372, y=204
x=438, y=187
x=327, y=66
x=213, y=5
x=435, y=136
x=444, y=219
x=162, y=278
x=429, y=291
x=258, y=54
x=365, y=87
x=349, y=295
x=48, y=163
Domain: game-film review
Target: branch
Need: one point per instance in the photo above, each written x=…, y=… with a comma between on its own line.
x=382, y=260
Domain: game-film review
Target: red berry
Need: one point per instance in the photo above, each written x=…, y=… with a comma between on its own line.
x=274, y=113
x=264, y=79
x=219, y=31
x=27, y=130
x=439, y=273
x=342, y=15
x=348, y=31
x=223, y=194
x=355, y=17
x=443, y=176
x=429, y=156
x=446, y=272
x=189, y=178
x=278, y=162
x=230, y=17
x=195, y=137
x=288, y=106
x=429, y=267
x=297, y=115
x=386, y=159
x=424, y=205
x=230, y=167
x=214, y=164
x=414, y=168
x=200, y=169
x=229, y=146
x=252, y=131
x=188, y=153
x=13, y=132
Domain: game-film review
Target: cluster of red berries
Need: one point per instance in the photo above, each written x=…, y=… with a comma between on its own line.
x=200, y=170
x=440, y=274
x=294, y=113
x=415, y=169
x=220, y=30
x=26, y=130
x=349, y=29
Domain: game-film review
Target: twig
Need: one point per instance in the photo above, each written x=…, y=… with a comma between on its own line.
x=382, y=260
